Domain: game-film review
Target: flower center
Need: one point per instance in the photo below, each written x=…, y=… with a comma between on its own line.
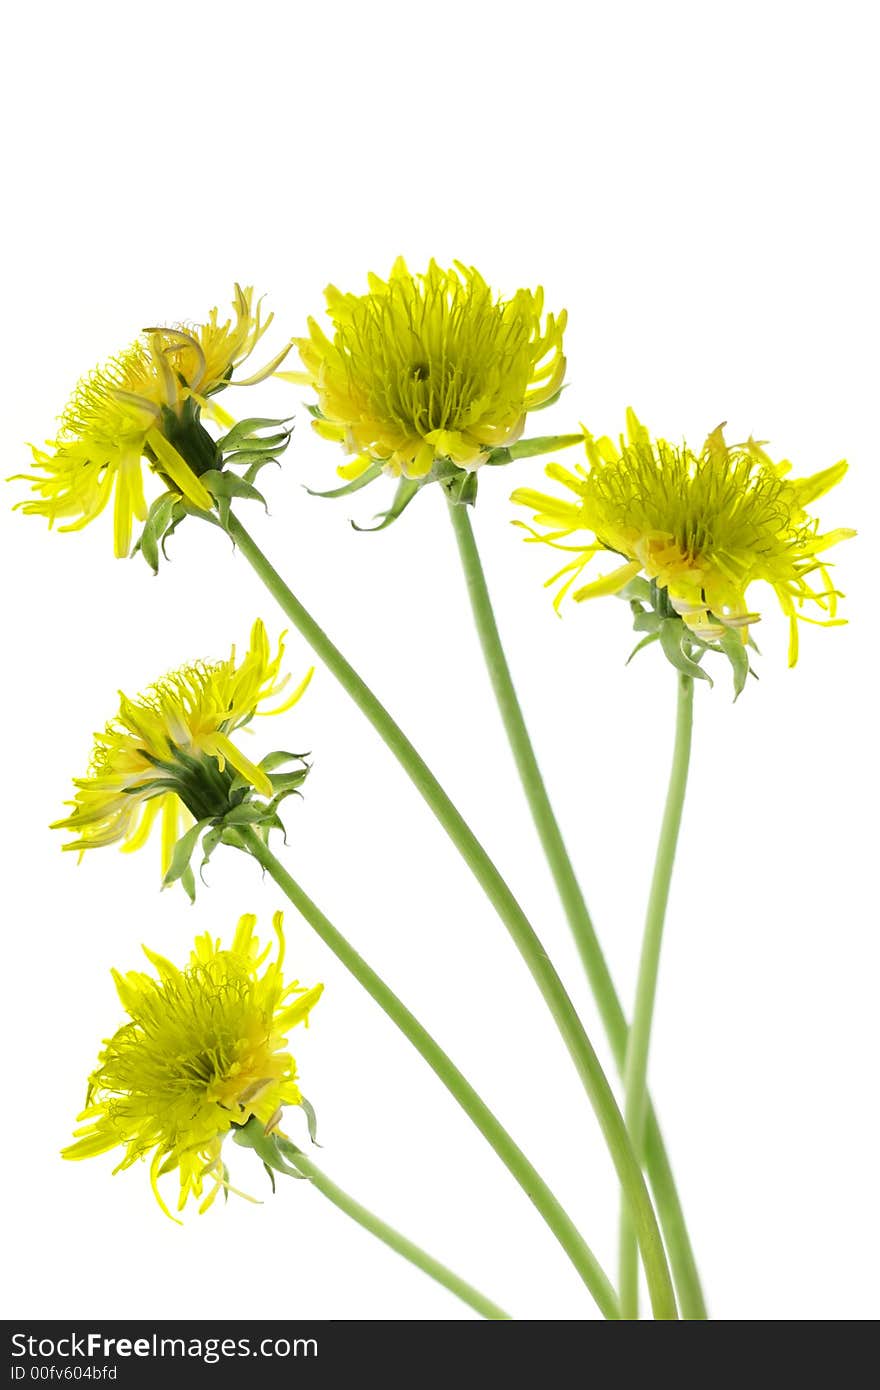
x=680, y=511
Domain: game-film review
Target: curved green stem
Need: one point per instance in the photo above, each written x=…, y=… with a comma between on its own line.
x=459, y=1087
x=636, y=1070
x=681, y=1256
x=525, y=938
x=298, y=1164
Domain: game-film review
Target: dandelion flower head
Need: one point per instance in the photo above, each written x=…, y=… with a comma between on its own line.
x=428, y=367
x=703, y=526
x=204, y=1049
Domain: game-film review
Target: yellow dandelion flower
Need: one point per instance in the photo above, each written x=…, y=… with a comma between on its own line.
x=169, y=752
x=204, y=1050
x=430, y=367
x=703, y=526
x=144, y=405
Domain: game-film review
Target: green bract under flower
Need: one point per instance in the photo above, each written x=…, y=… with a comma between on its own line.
x=203, y=1054
x=169, y=753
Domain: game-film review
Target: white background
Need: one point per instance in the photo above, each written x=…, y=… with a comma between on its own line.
x=696, y=183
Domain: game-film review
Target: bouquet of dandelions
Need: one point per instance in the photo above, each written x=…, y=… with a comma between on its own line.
x=428, y=379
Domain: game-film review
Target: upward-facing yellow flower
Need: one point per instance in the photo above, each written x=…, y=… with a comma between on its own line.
x=169, y=751
x=204, y=1049
x=704, y=526
x=430, y=367
x=144, y=404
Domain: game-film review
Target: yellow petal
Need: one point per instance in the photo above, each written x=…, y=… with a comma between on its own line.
x=225, y=751
x=179, y=472
x=299, y=1009
x=140, y=836
x=609, y=583
x=170, y=829
x=356, y=467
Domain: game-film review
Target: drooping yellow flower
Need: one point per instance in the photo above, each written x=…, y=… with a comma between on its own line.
x=430, y=367
x=704, y=526
x=144, y=405
x=169, y=751
x=204, y=1049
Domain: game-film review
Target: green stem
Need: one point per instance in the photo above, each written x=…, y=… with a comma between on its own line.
x=684, y=1269
x=580, y=1048
x=459, y=1087
x=636, y=1070
x=303, y=1166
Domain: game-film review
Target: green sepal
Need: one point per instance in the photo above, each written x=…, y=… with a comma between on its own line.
x=260, y=444
x=270, y=1175
x=148, y=546
x=287, y=1149
x=228, y=485
x=461, y=488
x=675, y=641
x=244, y=430
x=250, y=474
x=252, y=459
x=266, y=1146
x=269, y=764
x=640, y=646
x=231, y=835
x=163, y=519
x=646, y=619
x=654, y=615
x=257, y=455
x=181, y=510
x=406, y=491
x=155, y=788
x=311, y=1120
x=188, y=883
x=155, y=526
x=287, y=782
x=272, y=821
x=245, y=813
x=638, y=590
x=244, y=447
x=277, y=759
x=182, y=853
x=210, y=841
x=368, y=476
x=531, y=448
x=732, y=646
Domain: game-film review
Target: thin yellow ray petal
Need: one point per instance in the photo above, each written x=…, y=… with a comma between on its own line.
x=609, y=583
x=179, y=472
x=292, y=699
x=170, y=828
x=266, y=371
x=154, y=1183
x=295, y=378
x=140, y=836
x=355, y=468
x=122, y=513
x=299, y=1010
x=222, y=746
